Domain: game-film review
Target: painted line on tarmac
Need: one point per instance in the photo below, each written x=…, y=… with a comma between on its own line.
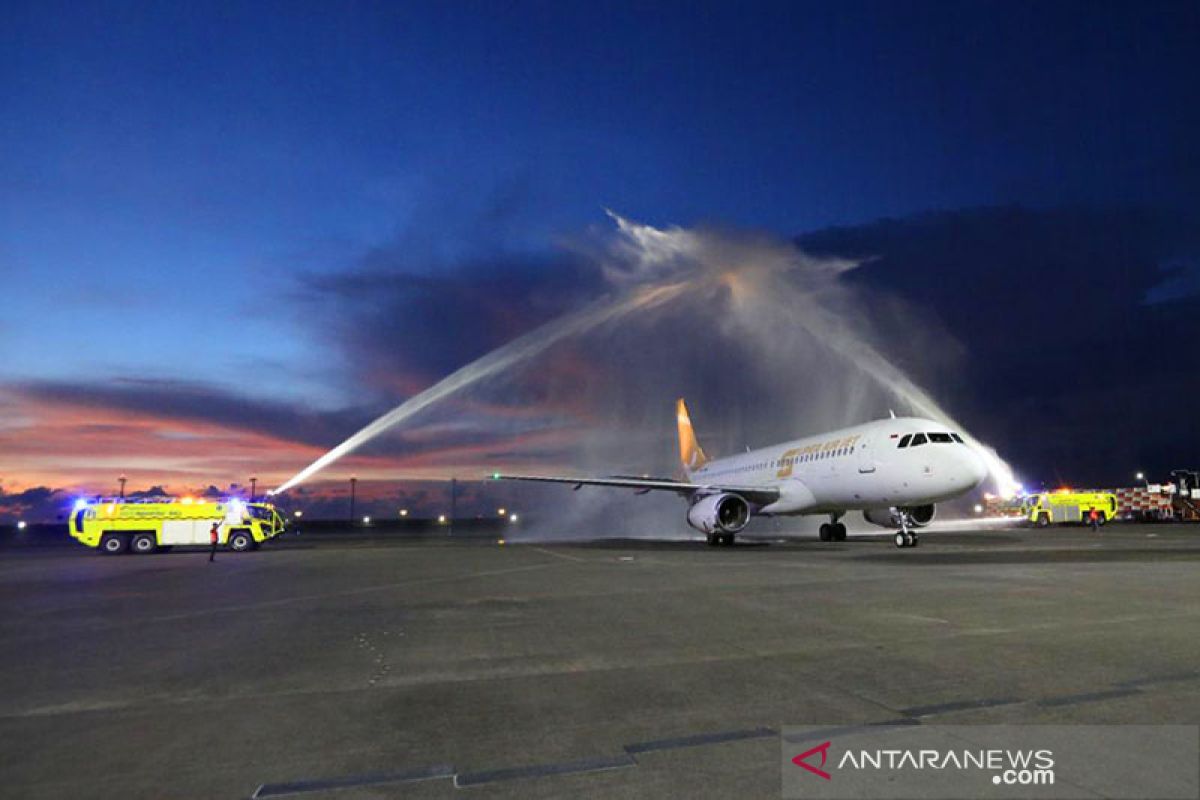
x=283, y=601
x=600, y=764
x=576, y=559
x=958, y=705
x=1085, y=697
x=843, y=730
x=698, y=740
x=1150, y=680
x=350, y=781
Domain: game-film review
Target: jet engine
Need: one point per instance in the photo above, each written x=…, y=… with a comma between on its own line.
x=918, y=516
x=719, y=513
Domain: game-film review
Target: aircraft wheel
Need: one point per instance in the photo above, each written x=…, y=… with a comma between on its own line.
x=900, y=539
x=839, y=532
x=728, y=540
x=144, y=543
x=915, y=540
x=824, y=532
x=113, y=544
x=713, y=539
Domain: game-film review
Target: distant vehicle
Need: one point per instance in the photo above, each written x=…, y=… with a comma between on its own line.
x=893, y=470
x=117, y=526
x=1063, y=507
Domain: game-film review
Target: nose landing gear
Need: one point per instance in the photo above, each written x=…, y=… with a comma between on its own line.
x=904, y=537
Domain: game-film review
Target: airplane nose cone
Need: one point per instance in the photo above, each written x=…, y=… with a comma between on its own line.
x=975, y=468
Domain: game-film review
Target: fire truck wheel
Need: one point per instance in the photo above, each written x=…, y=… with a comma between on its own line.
x=1043, y=520
x=113, y=544
x=240, y=541
x=144, y=543
x=1101, y=520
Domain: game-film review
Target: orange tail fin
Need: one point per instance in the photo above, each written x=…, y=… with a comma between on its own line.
x=690, y=452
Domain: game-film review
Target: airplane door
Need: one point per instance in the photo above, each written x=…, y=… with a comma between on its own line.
x=866, y=455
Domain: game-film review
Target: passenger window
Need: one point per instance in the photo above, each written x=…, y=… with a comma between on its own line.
x=940, y=438
x=918, y=440
x=904, y=441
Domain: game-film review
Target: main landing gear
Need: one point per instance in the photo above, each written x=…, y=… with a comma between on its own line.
x=904, y=537
x=832, y=531
x=720, y=540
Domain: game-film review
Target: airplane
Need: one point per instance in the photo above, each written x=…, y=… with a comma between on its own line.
x=893, y=470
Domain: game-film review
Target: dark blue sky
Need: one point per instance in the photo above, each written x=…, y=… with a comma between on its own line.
x=171, y=171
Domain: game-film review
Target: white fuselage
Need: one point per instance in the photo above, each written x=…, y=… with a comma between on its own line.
x=862, y=467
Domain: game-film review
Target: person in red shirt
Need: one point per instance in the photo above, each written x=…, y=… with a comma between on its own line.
x=214, y=536
x=1094, y=518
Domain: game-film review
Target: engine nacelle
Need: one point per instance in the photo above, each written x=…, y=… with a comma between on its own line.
x=918, y=516
x=719, y=513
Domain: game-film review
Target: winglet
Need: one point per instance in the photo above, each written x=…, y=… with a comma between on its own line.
x=690, y=453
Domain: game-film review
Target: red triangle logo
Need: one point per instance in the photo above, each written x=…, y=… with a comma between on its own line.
x=802, y=760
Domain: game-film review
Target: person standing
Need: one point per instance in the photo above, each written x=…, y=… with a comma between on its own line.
x=214, y=536
x=1094, y=519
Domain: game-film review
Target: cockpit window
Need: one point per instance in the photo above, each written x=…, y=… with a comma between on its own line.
x=957, y=438
x=904, y=441
x=940, y=438
x=918, y=440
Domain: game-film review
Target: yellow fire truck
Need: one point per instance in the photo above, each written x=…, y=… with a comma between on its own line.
x=1066, y=506
x=117, y=526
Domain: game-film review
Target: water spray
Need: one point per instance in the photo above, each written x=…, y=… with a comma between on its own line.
x=517, y=351
x=758, y=289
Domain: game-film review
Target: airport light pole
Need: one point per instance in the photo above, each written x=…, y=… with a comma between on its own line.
x=353, y=487
x=253, y=487
x=1141, y=476
x=122, y=480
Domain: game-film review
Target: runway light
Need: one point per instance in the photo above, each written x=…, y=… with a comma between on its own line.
x=500, y=541
x=366, y=520
x=495, y=476
x=21, y=525
x=404, y=512
x=441, y=519
x=297, y=513
x=500, y=511
x=512, y=518
x=1141, y=476
x=978, y=509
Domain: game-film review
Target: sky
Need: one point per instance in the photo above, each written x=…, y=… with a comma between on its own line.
x=230, y=234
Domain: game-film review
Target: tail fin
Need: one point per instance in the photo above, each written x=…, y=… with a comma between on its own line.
x=690, y=453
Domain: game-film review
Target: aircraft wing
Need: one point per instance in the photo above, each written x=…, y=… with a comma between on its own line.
x=755, y=494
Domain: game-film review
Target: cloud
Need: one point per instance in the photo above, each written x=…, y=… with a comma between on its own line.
x=1066, y=368
x=1030, y=324
x=197, y=402
x=403, y=325
x=37, y=503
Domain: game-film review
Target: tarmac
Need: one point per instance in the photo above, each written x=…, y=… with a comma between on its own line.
x=361, y=667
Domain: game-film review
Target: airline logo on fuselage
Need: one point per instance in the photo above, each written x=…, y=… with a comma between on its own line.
x=789, y=458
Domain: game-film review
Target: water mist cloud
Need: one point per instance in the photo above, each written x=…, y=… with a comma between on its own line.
x=774, y=315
